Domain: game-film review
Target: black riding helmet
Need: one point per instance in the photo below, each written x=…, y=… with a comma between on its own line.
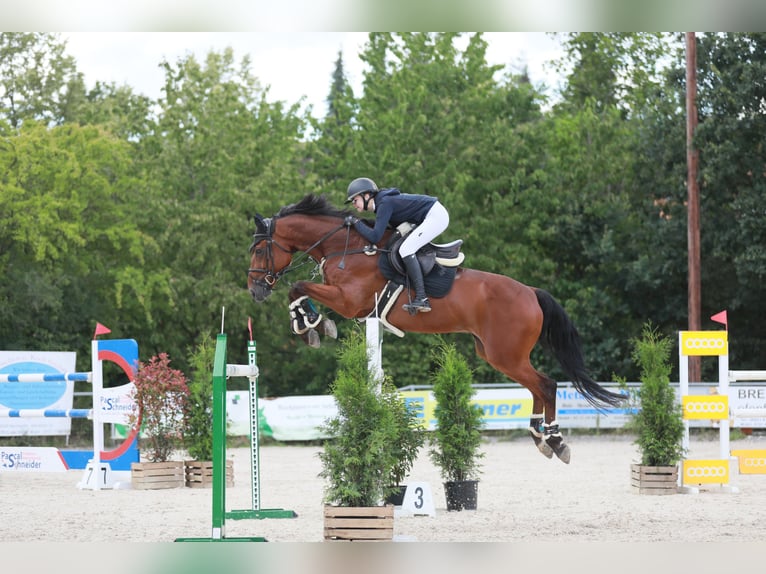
x=361, y=185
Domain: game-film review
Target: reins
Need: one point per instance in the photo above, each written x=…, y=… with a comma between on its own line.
x=271, y=276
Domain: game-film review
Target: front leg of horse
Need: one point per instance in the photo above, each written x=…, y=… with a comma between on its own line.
x=307, y=322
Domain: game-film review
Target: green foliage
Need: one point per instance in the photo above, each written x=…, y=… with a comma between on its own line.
x=410, y=434
x=69, y=242
x=375, y=437
x=658, y=422
x=456, y=441
x=161, y=394
x=198, y=419
x=217, y=154
x=35, y=76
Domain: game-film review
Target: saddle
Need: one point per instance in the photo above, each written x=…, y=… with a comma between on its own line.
x=439, y=262
x=431, y=254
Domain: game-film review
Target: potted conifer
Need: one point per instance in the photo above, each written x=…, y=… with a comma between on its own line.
x=161, y=395
x=658, y=418
x=456, y=441
x=360, y=458
x=198, y=418
x=410, y=436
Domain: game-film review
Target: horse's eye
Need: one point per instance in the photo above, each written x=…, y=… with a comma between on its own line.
x=259, y=251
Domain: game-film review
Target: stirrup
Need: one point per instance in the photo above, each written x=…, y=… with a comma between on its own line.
x=417, y=305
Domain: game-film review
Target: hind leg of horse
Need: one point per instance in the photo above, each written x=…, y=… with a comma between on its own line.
x=551, y=435
x=537, y=427
x=543, y=427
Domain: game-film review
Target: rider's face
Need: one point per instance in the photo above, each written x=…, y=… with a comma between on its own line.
x=358, y=201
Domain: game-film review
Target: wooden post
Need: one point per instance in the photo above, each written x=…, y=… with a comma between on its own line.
x=693, y=225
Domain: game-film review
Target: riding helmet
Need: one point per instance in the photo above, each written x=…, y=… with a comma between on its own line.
x=361, y=185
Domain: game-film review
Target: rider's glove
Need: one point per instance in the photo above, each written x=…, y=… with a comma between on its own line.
x=350, y=220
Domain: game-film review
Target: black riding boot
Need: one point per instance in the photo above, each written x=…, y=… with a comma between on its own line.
x=420, y=303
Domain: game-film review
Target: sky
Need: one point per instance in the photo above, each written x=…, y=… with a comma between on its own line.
x=294, y=65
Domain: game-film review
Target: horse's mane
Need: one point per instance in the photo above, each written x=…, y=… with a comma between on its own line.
x=312, y=205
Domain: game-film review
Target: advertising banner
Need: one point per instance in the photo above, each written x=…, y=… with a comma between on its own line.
x=31, y=459
x=748, y=398
x=117, y=404
x=300, y=417
x=47, y=395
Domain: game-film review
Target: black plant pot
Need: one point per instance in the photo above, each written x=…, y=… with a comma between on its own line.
x=397, y=498
x=461, y=495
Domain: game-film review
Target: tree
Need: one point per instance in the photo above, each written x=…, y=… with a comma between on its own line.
x=731, y=99
x=116, y=108
x=70, y=245
x=614, y=70
x=334, y=141
x=219, y=153
x=34, y=76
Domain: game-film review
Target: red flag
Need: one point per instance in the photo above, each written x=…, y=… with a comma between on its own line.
x=101, y=330
x=721, y=318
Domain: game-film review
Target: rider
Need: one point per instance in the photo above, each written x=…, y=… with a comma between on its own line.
x=391, y=206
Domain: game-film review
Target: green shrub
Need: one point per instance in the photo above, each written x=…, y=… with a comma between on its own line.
x=658, y=422
x=358, y=459
x=198, y=430
x=410, y=435
x=456, y=440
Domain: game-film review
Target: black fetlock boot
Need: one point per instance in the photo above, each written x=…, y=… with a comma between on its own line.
x=420, y=303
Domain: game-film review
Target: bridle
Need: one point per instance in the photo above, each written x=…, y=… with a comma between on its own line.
x=270, y=274
x=264, y=231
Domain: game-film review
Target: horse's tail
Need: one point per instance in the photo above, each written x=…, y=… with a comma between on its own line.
x=560, y=337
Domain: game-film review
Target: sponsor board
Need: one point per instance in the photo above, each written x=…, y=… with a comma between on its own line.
x=704, y=343
x=706, y=471
x=706, y=407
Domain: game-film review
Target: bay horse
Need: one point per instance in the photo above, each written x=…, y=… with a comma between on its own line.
x=506, y=318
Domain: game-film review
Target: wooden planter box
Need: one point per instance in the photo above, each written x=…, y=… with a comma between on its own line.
x=656, y=480
x=199, y=473
x=152, y=475
x=369, y=523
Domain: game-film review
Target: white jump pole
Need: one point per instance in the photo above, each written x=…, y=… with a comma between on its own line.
x=374, y=349
x=97, y=474
x=374, y=346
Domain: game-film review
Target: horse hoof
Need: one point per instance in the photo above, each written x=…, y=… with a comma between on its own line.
x=563, y=453
x=541, y=445
x=329, y=328
x=544, y=448
x=313, y=339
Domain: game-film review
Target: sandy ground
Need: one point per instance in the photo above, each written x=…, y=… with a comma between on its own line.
x=523, y=497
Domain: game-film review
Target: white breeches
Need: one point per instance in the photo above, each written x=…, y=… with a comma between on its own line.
x=435, y=223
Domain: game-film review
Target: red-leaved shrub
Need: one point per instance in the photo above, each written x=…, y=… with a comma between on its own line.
x=161, y=393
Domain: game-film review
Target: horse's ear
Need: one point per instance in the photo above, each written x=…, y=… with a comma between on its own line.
x=260, y=225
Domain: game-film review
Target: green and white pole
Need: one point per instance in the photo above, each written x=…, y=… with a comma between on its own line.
x=251, y=372
x=255, y=442
x=222, y=371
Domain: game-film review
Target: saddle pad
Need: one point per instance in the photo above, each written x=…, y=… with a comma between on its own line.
x=438, y=282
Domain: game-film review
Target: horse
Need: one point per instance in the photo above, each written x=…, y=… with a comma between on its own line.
x=506, y=317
